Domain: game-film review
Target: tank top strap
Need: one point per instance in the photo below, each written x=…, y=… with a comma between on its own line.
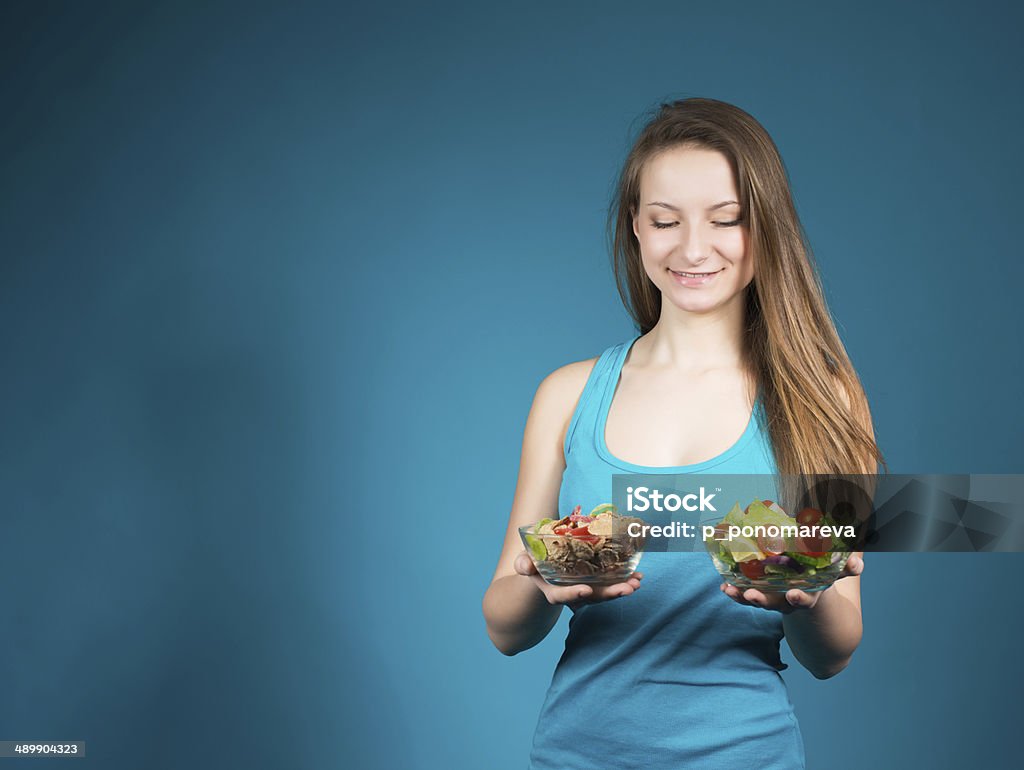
x=596, y=393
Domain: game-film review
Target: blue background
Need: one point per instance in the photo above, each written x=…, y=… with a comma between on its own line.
x=279, y=282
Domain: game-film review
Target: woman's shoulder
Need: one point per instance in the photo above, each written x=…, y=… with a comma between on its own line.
x=556, y=400
x=564, y=385
x=561, y=390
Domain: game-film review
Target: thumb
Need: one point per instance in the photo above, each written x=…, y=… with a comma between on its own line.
x=524, y=564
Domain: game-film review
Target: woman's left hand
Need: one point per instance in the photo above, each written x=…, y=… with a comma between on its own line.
x=792, y=600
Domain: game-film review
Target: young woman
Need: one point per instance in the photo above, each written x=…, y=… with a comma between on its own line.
x=737, y=368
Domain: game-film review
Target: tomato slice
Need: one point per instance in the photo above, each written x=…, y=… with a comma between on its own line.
x=752, y=569
x=772, y=546
x=583, y=533
x=814, y=546
x=808, y=517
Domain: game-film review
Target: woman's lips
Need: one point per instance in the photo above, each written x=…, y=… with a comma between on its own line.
x=694, y=279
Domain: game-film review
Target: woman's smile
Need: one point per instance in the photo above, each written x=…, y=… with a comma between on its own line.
x=694, y=279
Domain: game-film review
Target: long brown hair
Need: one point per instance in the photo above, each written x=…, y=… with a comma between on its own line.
x=792, y=346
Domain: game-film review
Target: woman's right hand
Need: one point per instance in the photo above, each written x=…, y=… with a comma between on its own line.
x=575, y=596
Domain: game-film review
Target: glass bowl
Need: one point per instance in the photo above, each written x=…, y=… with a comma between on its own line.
x=564, y=560
x=769, y=557
x=753, y=574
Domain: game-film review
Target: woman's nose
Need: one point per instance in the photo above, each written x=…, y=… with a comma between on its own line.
x=694, y=245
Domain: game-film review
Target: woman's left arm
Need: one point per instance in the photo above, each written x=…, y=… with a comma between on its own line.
x=823, y=628
x=824, y=635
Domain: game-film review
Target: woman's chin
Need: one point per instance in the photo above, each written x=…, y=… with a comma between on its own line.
x=698, y=301
x=696, y=305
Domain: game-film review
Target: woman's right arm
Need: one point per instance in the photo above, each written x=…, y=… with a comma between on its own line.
x=520, y=608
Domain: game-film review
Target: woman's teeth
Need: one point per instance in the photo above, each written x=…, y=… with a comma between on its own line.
x=693, y=275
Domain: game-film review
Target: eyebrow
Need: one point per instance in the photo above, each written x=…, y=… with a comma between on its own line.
x=673, y=208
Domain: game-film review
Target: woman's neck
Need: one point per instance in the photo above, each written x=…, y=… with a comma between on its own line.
x=697, y=341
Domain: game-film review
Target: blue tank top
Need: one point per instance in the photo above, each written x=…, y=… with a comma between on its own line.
x=677, y=675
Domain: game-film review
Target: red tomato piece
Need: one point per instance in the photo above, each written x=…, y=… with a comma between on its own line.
x=752, y=569
x=808, y=517
x=772, y=546
x=814, y=546
x=583, y=533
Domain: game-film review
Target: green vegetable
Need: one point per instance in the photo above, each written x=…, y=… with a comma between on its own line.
x=760, y=514
x=735, y=516
x=537, y=548
x=811, y=561
x=726, y=557
x=603, y=508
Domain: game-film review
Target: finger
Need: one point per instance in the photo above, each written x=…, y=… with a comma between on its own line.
x=800, y=599
x=734, y=593
x=565, y=594
x=617, y=590
x=524, y=564
x=854, y=566
x=755, y=597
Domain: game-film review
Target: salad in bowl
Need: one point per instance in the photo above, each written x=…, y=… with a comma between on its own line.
x=765, y=548
x=592, y=548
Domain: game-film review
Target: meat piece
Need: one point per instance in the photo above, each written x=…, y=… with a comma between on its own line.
x=581, y=550
x=607, y=557
x=585, y=568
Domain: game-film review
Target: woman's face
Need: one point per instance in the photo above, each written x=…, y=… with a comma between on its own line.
x=692, y=246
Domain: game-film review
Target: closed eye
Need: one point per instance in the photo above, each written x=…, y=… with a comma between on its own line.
x=663, y=225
